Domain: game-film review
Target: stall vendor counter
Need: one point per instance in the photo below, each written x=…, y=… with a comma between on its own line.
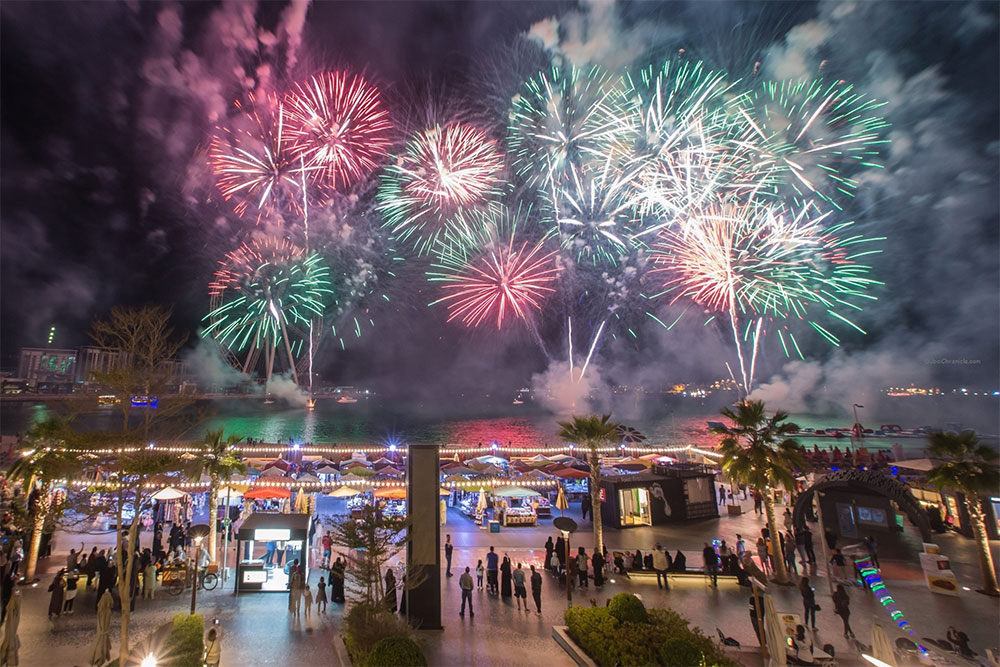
x=267, y=543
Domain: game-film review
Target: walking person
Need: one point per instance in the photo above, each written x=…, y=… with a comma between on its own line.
x=448, y=550
x=586, y=507
x=213, y=648
x=741, y=547
x=839, y=564
x=661, y=566
x=307, y=602
x=549, y=548
x=520, y=593
x=872, y=545
x=842, y=608
x=505, y=578
x=492, y=570
x=561, y=554
x=800, y=546
x=321, y=596
x=581, y=567
x=56, y=599
x=786, y=519
x=810, y=547
x=808, y=602
x=536, y=589
x=465, y=583
x=598, y=562
x=72, y=577
x=758, y=502
x=390, y=590
x=296, y=584
x=711, y=564
x=788, y=549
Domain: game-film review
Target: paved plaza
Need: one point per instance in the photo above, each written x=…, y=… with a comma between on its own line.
x=258, y=630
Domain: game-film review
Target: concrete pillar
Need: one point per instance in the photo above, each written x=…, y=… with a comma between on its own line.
x=423, y=548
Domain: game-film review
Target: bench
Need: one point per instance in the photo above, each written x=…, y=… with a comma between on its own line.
x=688, y=574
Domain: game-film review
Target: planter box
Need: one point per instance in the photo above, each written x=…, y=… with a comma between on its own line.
x=735, y=510
x=580, y=657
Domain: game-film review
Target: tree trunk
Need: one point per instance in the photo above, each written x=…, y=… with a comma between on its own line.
x=37, y=526
x=120, y=563
x=780, y=573
x=595, y=500
x=982, y=544
x=213, y=505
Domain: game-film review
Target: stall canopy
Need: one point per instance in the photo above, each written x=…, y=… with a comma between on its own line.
x=571, y=473
x=229, y=492
x=487, y=458
x=168, y=493
x=515, y=492
x=296, y=526
x=343, y=492
x=327, y=470
x=279, y=463
x=272, y=472
x=267, y=494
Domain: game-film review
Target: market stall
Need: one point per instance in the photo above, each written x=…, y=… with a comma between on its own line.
x=267, y=544
x=516, y=505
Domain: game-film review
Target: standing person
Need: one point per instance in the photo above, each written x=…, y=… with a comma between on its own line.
x=800, y=545
x=597, y=561
x=448, y=550
x=661, y=566
x=786, y=519
x=810, y=547
x=492, y=568
x=536, y=589
x=711, y=564
x=561, y=553
x=56, y=599
x=842, y=608
x=586, y=507
x=741, y=546
x=831, y=539
x=327, y=542
x=307, y=600
x=72, y=559
x=72, y=577
x=808, y=601
x=505, y=578
x=520, y=593
x=296, y=584
x=722, y=494
x=465, y=583
x=549, y=548
x=149, y=580
x=788, y=549
x=839, y=564
x=91, y=569
x=480, y=571
x=581, y=567
x=872, y=547
x=321, y=596
x=213, y=650
x=337, y=581
x=390, y=590
x=758, y=502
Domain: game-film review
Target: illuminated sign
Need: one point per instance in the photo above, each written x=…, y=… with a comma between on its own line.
x=271, y=534
x=254, y=576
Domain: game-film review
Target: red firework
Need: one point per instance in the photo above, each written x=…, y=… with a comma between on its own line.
x=338, y=126
x=254, y=166
x=503, y=280
x=241, y=264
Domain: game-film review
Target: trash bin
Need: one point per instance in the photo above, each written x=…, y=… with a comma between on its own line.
x=494, y=526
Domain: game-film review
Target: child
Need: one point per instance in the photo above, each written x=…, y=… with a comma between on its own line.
x=321, y=596
x=308, y=599
x=480, y=571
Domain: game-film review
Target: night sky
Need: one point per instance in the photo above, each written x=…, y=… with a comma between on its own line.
x=108, y=108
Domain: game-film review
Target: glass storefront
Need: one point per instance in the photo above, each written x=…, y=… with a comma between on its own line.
x=634, y=507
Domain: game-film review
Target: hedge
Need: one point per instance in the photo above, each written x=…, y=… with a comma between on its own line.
x=364, y=628
x=186, y=643
x=396, y=652
x=665, y=639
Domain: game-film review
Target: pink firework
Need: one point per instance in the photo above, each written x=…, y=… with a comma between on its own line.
x=338, y=126
x=254, y=167
x=500, y=279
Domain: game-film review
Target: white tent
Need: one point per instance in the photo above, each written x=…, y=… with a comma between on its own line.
x=168, y=493
x=923, y=465
x=273, y=472
x=515, y=492
x=539, y=457
x=349, y=478
x=487, y=458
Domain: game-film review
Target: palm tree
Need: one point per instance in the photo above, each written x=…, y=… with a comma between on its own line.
x=220, y=462
x=592, y=432
x=38, y=468
x=970, y=467
x=756, y=452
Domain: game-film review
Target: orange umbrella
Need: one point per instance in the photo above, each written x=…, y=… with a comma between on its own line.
x=391, y=492
x=269, y=494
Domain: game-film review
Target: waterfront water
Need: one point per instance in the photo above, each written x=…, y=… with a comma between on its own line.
x=679, y=422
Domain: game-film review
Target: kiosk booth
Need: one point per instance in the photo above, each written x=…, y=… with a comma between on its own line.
x=267, y=543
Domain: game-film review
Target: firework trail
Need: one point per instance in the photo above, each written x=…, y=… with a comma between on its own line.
x=265, y=293
x=443, y=172
x=494, y=272
x=338, y=126
x=254, y=167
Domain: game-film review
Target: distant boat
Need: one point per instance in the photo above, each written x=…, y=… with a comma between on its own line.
x=518, y=401
x=347, y=399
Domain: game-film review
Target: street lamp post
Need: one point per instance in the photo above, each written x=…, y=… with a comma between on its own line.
x=567, y=527
x=194, y=582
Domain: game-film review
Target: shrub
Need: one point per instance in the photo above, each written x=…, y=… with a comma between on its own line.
x=364, y=626
x=186, y=642
x=663, y=639
x=627, y=608
x=680, y=653
x=396, y=652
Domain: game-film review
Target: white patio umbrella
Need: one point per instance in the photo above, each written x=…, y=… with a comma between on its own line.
x=102, y=647
x=168, y=493
x=481, y=503
x=774, y=633
x=881, y=646
x=10, y=645
x=230, y=492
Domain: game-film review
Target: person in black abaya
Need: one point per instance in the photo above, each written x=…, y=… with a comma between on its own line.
x=506, y=578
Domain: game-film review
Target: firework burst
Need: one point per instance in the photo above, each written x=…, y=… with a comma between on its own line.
x=566, y=117
x=264, y=295
x=254, y=166
x=338, y=126
x=494, y=272
x=442, y=172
